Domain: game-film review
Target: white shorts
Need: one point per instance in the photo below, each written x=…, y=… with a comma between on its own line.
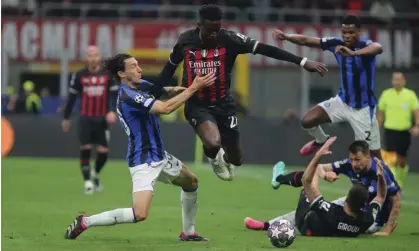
x=360, y=120
x=144, y=176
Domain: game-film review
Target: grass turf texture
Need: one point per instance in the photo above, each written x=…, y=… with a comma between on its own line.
x=40, y=198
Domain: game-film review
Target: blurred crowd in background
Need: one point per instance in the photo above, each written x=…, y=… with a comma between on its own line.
x=27, y=96
x=381, y=11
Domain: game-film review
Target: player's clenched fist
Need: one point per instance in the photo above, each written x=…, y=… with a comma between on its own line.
x=331, y=177
x=279, y=34
x=204, y=81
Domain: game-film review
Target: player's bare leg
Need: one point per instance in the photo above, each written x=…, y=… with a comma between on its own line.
x=311, y=122
x=211, y=139
x=188, y=196
x=85, y=152
x=101, y=158
x=139, y=212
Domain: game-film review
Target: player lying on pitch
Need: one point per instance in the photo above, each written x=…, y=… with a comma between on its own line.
x=361, y=169
x=317, y=217
x=138, y=112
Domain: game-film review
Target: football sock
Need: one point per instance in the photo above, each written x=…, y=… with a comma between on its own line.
x=211, y=152
x=402, y=175
x=318, y=134
x=291, y=179
x=397, y=174
x=101, y=159
x=99, y=164
x=109, y=218
x=188, y=199
x=85, y=163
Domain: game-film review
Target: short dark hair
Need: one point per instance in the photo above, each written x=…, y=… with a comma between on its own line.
x=357, y=197
x=359, y=146
x=115, y=64
x=352, y=20
x=210, y=12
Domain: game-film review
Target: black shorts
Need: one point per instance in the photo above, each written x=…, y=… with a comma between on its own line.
x=93, y=131
x=397, y=141
x=222, y=114
x=306, y=220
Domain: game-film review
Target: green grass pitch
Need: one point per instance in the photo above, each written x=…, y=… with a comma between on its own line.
x=40, y=197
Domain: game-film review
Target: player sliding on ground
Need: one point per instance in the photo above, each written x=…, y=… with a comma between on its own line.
x=355, y=102
x=317, y=217
x=361, y=169
x=211, y=111
x=138, y=112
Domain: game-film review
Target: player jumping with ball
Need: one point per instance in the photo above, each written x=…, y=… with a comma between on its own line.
x=147, y=160
x=355, y=102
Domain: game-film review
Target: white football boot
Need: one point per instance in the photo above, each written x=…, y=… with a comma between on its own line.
x=88, y=187
x=96, y=182
x=219, y=166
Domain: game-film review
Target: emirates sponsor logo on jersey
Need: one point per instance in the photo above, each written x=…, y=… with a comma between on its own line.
x=203, y=68
x=94, y=91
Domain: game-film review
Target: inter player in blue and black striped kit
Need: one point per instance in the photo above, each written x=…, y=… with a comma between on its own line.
x=355, y=102
x=148, y=162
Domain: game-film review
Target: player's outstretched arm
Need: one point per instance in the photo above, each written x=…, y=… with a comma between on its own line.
x=297, y=39
x=279, y=54
x=325, y=172
x=311, y=189
x=172, y=91
x=166, y=107
x=170, y=67
x=166, y=74
x=371, y=50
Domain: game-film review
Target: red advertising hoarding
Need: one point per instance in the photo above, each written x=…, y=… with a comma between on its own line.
x=46, y=39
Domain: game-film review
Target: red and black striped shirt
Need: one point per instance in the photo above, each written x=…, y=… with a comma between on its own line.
x=219, y=58
x=95, y=90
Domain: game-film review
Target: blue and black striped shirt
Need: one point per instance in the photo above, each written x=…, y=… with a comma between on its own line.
x=357, y=74
x=145, y=144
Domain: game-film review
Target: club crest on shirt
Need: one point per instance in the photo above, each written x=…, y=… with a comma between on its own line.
x=216, y=53
x=139, y=98
x=405, y=106
x=193, y=122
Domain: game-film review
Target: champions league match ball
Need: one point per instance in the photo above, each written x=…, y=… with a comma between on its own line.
x=281, y=233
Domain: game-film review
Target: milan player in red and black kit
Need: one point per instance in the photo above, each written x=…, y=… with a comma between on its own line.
x=98, y=91
x=211, y=111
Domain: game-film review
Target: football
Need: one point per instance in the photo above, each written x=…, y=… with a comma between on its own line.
x=281, y=233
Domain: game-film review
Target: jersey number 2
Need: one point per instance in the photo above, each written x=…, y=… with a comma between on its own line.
x=368, y=133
